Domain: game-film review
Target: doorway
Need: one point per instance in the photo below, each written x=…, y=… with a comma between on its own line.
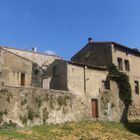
x=94, y=108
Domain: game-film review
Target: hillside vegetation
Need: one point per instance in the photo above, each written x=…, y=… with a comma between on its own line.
x=86, y=130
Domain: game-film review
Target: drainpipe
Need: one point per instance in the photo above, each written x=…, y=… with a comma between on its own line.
x=85, y=79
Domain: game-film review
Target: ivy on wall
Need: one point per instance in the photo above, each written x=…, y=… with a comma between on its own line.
x=122, y=81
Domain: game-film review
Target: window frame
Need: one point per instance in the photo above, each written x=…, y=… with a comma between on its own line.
x=136, y=84
x=120, y=63
x=127, y=65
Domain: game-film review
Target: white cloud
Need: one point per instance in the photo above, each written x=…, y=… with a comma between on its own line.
x=50, y=52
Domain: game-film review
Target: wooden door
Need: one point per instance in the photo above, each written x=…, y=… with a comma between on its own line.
x=94, y=108
x=22, y=79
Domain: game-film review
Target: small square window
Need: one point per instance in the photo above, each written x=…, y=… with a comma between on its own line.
x=22, y=77
x=106, y=84
x=127, y=66
x=136, y=87
x=120, y=63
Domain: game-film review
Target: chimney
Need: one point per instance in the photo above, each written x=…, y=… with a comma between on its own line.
x=90, y=39
x=34, y=49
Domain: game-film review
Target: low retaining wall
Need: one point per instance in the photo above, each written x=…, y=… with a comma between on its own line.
x=34, y=106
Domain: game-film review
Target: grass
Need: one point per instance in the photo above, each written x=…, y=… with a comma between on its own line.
x=85, y=130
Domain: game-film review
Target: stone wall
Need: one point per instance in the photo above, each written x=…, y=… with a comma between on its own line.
x=59, y=75
x=97, y=54
x=34, y=106
x=134, y=75
x=134, y=112
x=55, y=76
x=87, y=84
x=76, y=79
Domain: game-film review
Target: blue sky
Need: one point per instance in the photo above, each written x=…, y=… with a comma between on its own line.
x=63, y=26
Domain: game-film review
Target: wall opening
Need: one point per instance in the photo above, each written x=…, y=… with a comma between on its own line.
x=136, y=87
x=46, y=83
x=120, y=63
x=106, y=84
x=127, y=66
x=22, y=82
x=94, y=108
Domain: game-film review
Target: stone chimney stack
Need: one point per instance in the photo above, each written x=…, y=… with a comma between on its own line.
x=34, y=49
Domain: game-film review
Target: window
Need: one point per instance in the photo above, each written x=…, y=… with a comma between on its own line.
x=120, y=63
x=136, y=87
x=126, y=63
x=22, y=82
x=106, y=84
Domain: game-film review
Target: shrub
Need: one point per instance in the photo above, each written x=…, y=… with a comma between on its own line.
x=9, y=125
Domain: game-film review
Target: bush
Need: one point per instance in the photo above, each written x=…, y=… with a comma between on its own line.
x=9, y=125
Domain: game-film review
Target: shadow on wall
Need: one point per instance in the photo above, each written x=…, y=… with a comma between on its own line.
x=49, y=73
x=58, y=73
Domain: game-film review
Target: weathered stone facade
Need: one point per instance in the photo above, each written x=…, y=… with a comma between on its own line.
x=126, y=59
x=30, y=65
x=12, y=67
x=36, y=106
x=88, y=83
x=133, y=73
x=97, y=54
x=40, y=89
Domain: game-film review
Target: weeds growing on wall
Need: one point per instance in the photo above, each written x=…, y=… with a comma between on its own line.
x=122, y=81
x=125, y=95
x=125, y=92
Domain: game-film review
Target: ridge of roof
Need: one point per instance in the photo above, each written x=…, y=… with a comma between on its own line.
x=29, y=51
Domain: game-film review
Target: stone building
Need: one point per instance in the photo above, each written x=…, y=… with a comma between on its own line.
x=22, y=67
x=126, y=59
x=90, y=84
x=14, y=70
x=84, y=78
